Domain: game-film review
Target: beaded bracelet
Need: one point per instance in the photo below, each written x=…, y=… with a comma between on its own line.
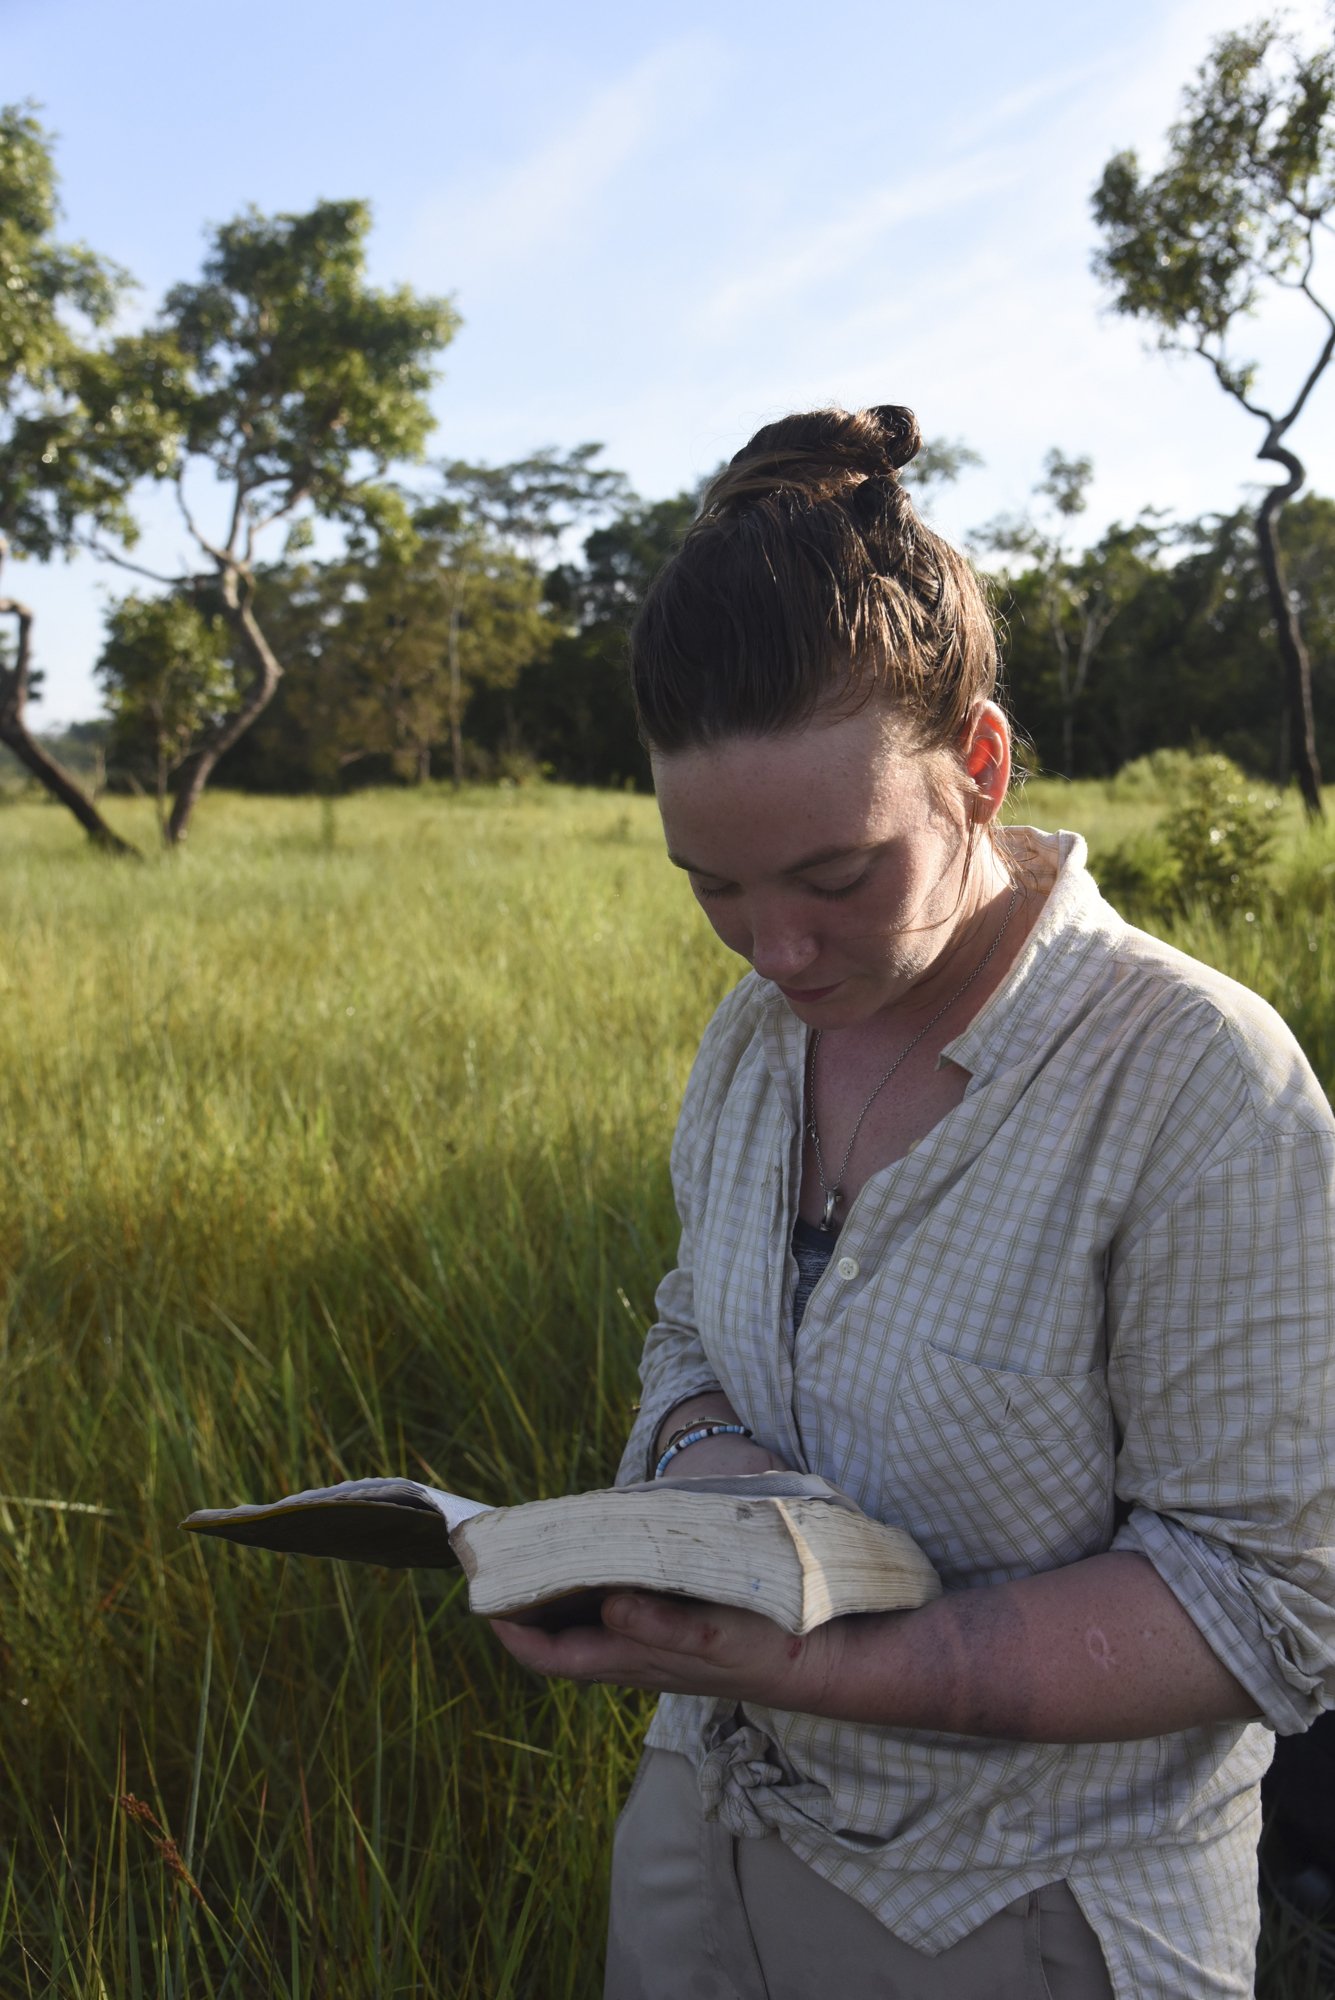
x=696, y=1435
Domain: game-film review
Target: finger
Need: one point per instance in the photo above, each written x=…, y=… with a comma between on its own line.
x=579, y=1653
x=675, y=1625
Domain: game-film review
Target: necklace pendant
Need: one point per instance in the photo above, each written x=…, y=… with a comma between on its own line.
x=831, y=1203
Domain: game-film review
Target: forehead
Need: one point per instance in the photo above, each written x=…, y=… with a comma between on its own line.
x=764, y=803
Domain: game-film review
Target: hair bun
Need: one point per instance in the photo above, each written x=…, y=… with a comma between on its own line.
x=820, y=455
x=901, y=440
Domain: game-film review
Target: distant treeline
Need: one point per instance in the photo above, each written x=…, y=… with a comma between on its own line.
x=1158, y=636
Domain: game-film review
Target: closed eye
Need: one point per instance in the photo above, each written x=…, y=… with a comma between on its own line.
x=712, y=892
x=836, y=895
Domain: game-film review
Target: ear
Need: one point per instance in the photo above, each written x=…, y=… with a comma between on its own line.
x=985, y=749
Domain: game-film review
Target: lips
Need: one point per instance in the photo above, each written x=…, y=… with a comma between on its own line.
x=809, y=993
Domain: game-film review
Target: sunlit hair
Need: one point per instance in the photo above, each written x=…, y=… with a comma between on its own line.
x=808, y=579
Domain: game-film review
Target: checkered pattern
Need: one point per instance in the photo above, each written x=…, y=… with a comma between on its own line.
x=1090, y=1309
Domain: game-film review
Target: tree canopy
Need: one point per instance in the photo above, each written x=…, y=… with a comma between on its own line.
x=278, y=388
x=1238, y=210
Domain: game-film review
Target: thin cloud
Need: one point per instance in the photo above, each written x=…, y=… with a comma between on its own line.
x=823, y=254
x=1032, y=97
x=547, y=196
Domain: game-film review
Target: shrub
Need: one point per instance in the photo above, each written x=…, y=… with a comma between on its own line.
x=1212, y=848
x=1221, y=835
x=1137, y=875
x=1159, y=775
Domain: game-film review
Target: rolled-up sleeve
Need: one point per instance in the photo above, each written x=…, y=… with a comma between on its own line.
x=1222, y=1378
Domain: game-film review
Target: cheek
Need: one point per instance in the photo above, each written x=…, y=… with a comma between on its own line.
x=728, y=924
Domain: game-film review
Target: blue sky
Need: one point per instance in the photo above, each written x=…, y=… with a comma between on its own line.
x=664, y=228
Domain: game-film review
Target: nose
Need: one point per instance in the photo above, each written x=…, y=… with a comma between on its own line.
x=781, y=947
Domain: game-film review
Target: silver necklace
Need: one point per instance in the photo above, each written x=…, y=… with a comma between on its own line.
x=832, y=1196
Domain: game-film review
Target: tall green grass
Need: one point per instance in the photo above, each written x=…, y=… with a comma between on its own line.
x=334, y=1145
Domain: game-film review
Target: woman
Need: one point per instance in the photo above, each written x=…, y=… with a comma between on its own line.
x=1014, y=1224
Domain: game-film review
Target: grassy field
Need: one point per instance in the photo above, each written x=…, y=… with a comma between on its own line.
x=334, y=1145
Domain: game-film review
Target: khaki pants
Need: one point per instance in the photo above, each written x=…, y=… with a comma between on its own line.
x=698, y=1915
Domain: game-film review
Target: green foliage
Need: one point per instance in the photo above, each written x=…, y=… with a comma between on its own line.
x=1236, y=212
x=540, y=659
x=39, y=278
x=1250, y=167
x=1063, y=601
x=940, y=462
x=75, y=429
x=300, y=374
x=166, y=675
x=621, y=560
x=1221, y=836
x=1138, y=876
x=1160, y=776
x=1189, y=656
x=1212, y=849
x=531, y=502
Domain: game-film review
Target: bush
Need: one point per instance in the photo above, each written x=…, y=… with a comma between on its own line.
x=1137, y=875
x=1221, y=835
x=1212, y=848
x=1160, y=775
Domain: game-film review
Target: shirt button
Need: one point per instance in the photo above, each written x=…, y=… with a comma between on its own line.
x=847, y=1267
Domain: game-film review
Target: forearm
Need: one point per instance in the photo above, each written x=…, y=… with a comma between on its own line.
x=711, y=1408
x=710, y=1455
x=1097, y=1652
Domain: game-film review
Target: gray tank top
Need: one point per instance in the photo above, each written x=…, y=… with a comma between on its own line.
x=813, y=1249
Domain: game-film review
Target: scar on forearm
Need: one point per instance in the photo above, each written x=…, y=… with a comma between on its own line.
x=1096, y=1645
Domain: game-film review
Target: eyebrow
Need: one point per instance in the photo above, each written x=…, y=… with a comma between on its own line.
x=817, y=860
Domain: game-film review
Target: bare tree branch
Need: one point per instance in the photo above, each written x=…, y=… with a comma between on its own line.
x=106, y=554
x=189, y=519
x=1318, y=368
x=1220, y=366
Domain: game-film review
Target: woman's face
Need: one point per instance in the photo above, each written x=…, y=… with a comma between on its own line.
x=825, y=855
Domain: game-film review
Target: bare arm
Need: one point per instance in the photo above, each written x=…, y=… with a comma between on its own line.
x=1101, y=1651
x=710, y=1455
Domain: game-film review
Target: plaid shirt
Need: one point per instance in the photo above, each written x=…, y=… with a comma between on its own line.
x=1090, y=1309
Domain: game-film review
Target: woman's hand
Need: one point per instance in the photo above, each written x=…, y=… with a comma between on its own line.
x=1099, y=1652
x=679, y=1646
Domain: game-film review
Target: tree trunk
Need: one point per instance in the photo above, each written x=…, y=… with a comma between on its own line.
x=160, y=778
x=14, y=685
x=456, y=696
x=198, y=768
x=1297, y=667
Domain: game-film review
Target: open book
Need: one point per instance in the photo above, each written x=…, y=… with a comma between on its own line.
x=785, y=1544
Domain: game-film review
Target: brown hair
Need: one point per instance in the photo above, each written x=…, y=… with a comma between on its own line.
x=808, y=576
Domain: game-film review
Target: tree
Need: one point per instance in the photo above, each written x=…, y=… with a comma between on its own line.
x=70, y=446
x=298, y=386
x=488, y=513
x=532, y=502
x=1235, y=212
x=621, y=559
x=167, y=679
x=1080, y=592
x=939, y=463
